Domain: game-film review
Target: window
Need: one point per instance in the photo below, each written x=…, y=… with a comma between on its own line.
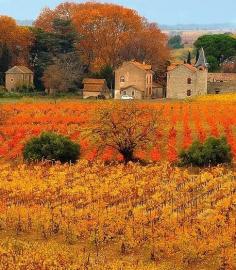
x=122, y=79
x=12, y=80
x=133, y=93
x=188, y=93
x=124, y=92
x=189, y=81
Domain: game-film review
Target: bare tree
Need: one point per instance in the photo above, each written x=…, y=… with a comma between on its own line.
x=64, y=74
x=126, y=127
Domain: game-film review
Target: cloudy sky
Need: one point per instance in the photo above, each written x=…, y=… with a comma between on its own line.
x=161, y=11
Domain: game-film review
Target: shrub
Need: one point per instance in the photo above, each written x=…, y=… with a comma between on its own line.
x=25, y=89
x=51, y=146
x=213, y=151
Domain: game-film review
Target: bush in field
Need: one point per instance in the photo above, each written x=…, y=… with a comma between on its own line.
x=213, y=151
x=51, y=146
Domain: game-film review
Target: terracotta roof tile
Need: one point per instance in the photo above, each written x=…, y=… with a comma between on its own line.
x=143, y=66
x=94, y=85
x=94, y=81
x=172, y=67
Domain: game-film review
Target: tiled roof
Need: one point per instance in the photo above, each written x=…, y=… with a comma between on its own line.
x=19, y=69
x=173, y=66
x=94, y=81
x=131, y=86
x=94, y=85
x=143, y=66
x=213, y=77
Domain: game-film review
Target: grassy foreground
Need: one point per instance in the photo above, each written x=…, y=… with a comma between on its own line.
x=116, y=217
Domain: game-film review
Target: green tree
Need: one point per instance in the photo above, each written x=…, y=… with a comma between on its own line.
x=213, y=63
x=189, y=60
x=5, y=61
x=213, y=151
x=51, y=45
x=175, y=42
x=220, y=46
x=51, y=146
x=106, y=73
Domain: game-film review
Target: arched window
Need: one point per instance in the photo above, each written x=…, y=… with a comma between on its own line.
x=189, y=81
x=188, y=93
x=122, y=79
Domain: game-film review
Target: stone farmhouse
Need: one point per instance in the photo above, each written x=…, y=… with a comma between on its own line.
x=185, y=80
x=93, y=88
x=19, y=76
x=134, y=79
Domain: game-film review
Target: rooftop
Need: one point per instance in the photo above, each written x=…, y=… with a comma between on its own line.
x=19, y=69
x=174, y=66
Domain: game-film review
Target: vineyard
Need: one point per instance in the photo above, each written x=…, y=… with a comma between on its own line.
x=110, y=216
x=116, y=217
x=183, y=123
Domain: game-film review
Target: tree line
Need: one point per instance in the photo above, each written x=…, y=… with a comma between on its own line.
x=74, y=40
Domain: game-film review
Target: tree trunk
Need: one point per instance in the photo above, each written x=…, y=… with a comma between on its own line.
x=128, y=155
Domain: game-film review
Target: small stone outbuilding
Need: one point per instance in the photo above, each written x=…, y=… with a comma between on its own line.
x=19, y=76
x=93, y=88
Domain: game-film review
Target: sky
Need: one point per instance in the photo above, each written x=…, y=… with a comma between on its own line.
x=160, y=11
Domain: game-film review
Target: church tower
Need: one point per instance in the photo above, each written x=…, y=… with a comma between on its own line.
x=202, y=73
x=201, y=62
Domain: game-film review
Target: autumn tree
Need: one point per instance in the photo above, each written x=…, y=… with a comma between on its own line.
x=126, y=127
x=110, y=34
x=63, y=11
x=64, y=74
x=15, y=42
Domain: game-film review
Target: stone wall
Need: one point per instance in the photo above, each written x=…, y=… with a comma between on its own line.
x=221, y=87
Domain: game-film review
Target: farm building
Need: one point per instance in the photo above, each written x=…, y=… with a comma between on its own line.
x=134, y=79
x=185, y=80
x=95, y=88
x=19, y=76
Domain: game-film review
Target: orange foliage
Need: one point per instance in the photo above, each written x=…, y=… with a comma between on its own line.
x=17, y=38
x=110, y=34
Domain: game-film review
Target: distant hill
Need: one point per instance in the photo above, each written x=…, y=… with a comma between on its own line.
x=224, y=26
x=177, y=27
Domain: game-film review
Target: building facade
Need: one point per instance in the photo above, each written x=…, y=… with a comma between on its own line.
x=185, y=80
x=134, y=79
x=19, y=76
